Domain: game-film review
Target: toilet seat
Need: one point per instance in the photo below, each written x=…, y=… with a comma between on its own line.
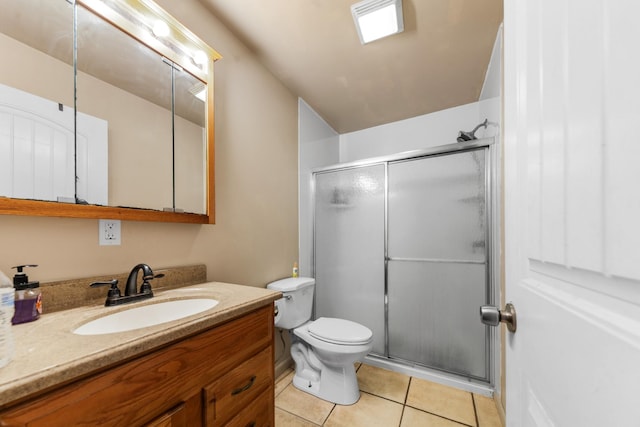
x=339, y=331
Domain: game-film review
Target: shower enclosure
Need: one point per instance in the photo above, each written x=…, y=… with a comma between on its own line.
x=402, y=245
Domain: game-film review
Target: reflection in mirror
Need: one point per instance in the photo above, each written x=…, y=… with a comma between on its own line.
x=156, y=157
x=126, y=148
x=190, y=143
x=36, y=114
x=127, y=86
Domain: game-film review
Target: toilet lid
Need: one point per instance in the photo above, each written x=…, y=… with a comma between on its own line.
x=340, y=331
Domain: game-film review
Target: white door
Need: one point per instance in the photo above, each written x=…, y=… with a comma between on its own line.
x=36, y=147
x=572, y=211
x=38, y=153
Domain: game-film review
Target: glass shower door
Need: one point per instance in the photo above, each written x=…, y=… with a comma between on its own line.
x=349, y=247
x=437, y=262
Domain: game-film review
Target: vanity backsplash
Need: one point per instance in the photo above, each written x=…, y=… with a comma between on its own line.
x=72, y=293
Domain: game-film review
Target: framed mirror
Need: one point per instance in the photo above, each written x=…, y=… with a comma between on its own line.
x=141, y=140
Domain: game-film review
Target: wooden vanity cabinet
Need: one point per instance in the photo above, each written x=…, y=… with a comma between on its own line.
x=222, y=376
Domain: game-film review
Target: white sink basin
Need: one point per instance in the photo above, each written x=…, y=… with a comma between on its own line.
x=145, y=316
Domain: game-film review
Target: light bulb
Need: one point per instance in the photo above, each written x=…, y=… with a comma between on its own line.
x=200, y=58
x=161, y=29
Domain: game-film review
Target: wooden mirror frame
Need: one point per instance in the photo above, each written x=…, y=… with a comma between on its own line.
x=180, y=36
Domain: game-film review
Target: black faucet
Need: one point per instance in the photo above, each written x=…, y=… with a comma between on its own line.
x=131, y=294
x=132, y=281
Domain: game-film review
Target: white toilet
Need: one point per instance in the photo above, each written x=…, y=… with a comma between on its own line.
x=324, y=350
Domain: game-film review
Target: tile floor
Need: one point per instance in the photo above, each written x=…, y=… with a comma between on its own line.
x=388, y=399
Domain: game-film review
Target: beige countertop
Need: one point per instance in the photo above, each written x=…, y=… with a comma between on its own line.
x=48, y=354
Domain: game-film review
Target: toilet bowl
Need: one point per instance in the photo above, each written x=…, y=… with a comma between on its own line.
x=334, y=377
x=324, y=350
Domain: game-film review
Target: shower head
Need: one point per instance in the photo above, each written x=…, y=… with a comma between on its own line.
x=468, y=136
x=465, y=136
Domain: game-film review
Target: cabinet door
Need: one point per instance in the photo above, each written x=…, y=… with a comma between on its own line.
x=231, y=393
x=176, y=417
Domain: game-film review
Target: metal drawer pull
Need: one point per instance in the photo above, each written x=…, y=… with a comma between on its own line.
x=251, y=424
x=244, y=388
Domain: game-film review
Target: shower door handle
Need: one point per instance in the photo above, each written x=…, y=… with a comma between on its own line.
x=492, y=316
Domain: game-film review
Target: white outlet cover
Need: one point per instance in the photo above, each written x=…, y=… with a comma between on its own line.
x=109, y=232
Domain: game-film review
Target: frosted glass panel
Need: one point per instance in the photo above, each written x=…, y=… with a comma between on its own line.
x=349, y=247
x=437, y=207
x=437, y=271
x=433, y=315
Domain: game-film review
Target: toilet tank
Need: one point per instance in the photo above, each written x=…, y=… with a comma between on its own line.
x=294, y=308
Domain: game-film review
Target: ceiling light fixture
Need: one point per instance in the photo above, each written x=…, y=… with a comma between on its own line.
x=376, y=19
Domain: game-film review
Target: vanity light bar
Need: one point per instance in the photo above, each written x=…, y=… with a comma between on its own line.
x=138, y=18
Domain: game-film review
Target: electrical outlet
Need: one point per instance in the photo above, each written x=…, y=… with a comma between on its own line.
x=109, y=232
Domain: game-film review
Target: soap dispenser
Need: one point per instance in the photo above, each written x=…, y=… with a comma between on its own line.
x=28, y=298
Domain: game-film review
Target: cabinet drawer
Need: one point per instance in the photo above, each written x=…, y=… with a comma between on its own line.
x=260, y=413
x=177, y=417
x=235, y=390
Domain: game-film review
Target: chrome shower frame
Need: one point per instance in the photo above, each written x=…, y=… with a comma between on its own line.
x=478, y=385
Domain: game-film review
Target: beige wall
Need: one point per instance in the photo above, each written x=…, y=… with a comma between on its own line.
x=255, y=238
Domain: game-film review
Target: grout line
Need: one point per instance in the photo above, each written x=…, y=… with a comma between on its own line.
x=382, y=397
x=329, y=414
x=379, y=397
x=281, y=390
x=406, y=395
x=475, y=410
x=439, y=416
x=402, y=415
x=298, y=416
